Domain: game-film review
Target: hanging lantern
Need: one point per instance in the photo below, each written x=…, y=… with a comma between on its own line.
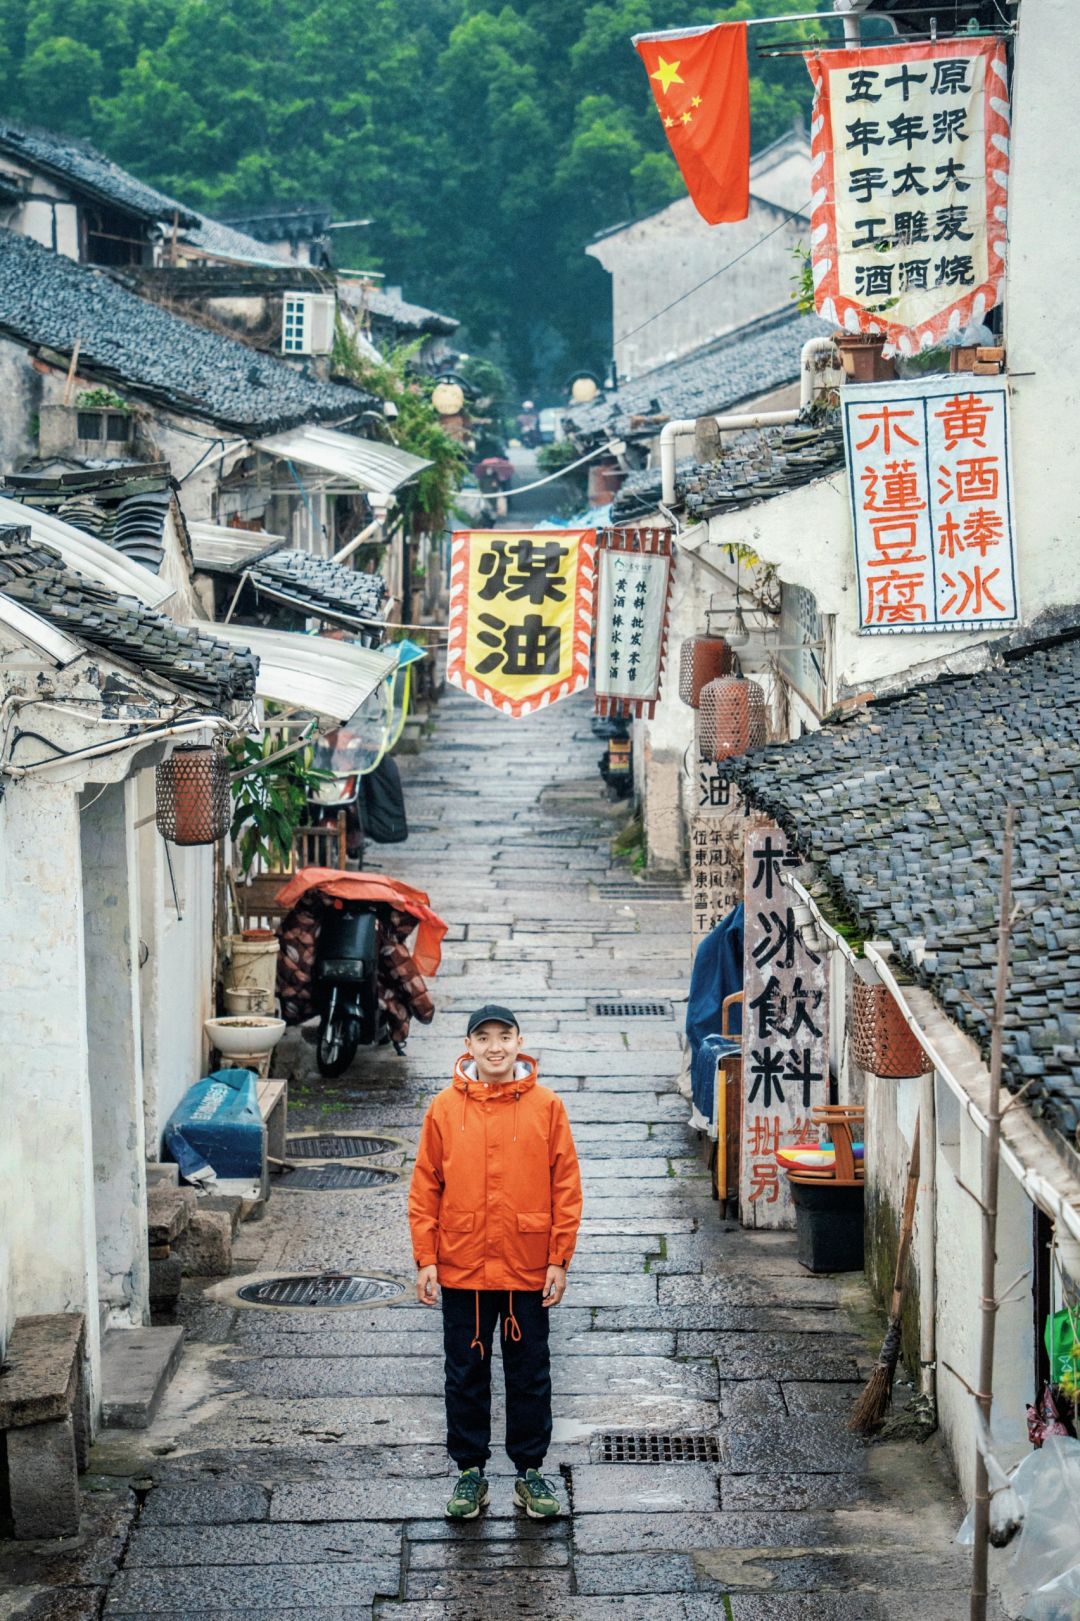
x=731, y=718
x=882, y=1041
x=193, y=795
x=702, y=659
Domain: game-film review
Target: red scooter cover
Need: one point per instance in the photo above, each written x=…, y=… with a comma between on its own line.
x=375, y=886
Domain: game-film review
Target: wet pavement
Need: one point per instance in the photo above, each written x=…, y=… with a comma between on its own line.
x=297, y=1461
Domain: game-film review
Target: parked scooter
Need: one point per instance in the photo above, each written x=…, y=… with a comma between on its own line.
x=347, y=987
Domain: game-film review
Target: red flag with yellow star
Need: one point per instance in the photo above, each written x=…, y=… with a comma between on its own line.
x=701, y=83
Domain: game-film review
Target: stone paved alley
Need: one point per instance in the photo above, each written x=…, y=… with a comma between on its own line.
x=297, y=1461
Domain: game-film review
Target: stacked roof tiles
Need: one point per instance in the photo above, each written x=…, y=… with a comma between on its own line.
x=902, y=809
x=35, y=576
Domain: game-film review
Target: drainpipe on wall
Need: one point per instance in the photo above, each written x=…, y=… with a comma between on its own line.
x=682, y=426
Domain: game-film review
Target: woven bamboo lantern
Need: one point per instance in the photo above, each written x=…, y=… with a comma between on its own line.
x=881, y=1039
x=702, y=659
x=193, y=795
x=731, y=718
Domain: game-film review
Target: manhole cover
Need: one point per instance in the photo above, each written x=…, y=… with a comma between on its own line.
x=330, y=1291
x=629, y=1010
x=331, y=1178
x=338, y=1145
x=655, y=1446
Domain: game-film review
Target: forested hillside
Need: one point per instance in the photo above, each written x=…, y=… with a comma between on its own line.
x=487, y=145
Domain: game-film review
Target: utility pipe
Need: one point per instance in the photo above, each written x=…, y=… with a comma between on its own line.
x=98, y=749
x=682, y=426
x=357, y=541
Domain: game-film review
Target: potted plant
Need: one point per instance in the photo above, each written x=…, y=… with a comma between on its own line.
x=862, y=357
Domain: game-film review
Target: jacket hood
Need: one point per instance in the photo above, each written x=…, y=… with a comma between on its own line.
x=466, y=1075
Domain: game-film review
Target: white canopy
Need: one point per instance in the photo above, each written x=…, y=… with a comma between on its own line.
x=374, y=467
x=88, y=556
x=329, y=677
x=36, y=632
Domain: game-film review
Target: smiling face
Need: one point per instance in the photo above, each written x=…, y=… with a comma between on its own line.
x=495, y=1047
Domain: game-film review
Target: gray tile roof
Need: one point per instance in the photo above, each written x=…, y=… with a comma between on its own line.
x=85, y=170
x=328, y=588
x=754, y=466
x=50, y=301
x=901, y=810
x=35, y=576
x=738, y=367
x=403, y=316
x=223, y=241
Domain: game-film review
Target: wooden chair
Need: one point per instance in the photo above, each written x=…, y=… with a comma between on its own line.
x=256, y=901
x=321, y=846
x=846, y=1171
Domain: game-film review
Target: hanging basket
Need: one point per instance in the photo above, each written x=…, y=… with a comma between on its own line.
x=881, y=1039
x=193, y=795
x=702, y=659
x=731, y=718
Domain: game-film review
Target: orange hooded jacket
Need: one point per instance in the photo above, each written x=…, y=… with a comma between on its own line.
x=496, y=1193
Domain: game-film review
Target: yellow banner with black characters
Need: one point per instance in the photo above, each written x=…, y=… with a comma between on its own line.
x=521, y=609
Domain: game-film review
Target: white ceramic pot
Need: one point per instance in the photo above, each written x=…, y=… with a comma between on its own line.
x=248, y=1033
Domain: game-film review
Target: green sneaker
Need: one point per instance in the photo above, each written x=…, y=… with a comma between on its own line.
x=468, y=1496
x=536, y=1495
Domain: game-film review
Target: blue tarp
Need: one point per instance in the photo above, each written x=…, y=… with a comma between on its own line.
x=718, y=973
x=217, y=1124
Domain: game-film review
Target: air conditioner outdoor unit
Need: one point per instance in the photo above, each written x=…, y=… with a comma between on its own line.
x=307, y=323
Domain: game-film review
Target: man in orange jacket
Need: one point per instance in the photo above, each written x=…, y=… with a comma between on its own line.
x=494, y=1209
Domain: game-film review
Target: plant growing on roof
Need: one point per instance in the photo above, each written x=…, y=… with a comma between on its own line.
x=270, y=798
x=94, y=399
x=803, y=278
x=417, y=428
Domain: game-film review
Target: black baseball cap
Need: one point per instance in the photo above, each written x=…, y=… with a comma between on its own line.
x=493, y=1013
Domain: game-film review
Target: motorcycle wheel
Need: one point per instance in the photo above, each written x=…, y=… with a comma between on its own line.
x=337, y=1044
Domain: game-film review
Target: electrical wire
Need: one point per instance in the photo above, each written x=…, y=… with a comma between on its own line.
x=792, y=214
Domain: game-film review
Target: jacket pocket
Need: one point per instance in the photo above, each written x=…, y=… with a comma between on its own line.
x=455, y=1241
x=534, y=1233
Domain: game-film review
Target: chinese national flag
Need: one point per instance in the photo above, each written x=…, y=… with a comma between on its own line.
x=702, y=87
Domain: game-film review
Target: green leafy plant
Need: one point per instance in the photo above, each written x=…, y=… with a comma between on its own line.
x=91, y=399
x=803, y=279
x=270, y=799
x=559, y=454
x=416, y=428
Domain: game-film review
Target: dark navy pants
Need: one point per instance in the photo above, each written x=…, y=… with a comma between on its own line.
x=526, y=1373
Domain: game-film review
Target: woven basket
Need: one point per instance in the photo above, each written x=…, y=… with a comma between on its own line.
x=702, y=659
x=731, y=718
x=193, y=795
x=881, y=1039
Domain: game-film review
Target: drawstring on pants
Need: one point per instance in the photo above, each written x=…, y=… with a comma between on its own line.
x=511, y=1328
x=476, y=1340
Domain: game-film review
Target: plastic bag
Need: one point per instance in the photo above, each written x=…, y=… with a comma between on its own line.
x=1048, y=1553
x=1063, y=1348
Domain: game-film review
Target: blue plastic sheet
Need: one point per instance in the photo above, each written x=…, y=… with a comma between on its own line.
x=217, y=1124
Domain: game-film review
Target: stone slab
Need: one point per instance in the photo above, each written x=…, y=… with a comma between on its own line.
x=636, y=1489
x=235, y=1590
x=136, y=1366
x=211, y=1502
x=174, y=1546
x=462, y=1593
x=779, y=1356
x=40, y=1369
x=42, y=1480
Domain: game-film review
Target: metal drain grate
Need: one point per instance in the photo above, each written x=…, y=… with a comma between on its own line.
x=655, y=1446
x=332, y=1291
x=640, y=894
x=331, y=1178
x=338, y=1145
x=629, y=1010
